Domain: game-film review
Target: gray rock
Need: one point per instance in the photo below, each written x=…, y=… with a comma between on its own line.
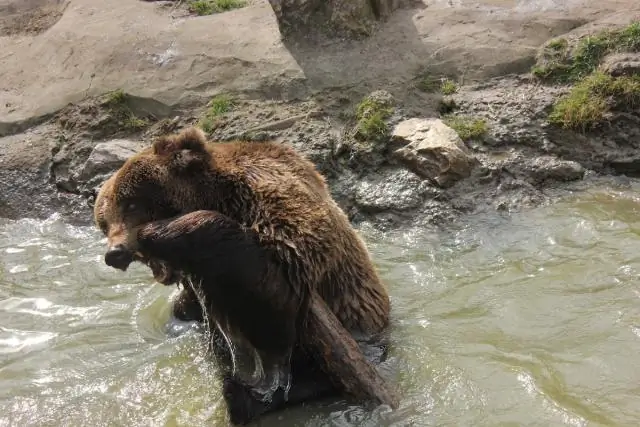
x=340, y=17
x=107, y=157
x=622, y=64
x=515, y=110
x=382, y=97
x=26, y=190
x=78, y=166
x=548, y=167
x=103, y=161
x=536, y=168
x=434, y=151
x=69, y=157
x=398, y=190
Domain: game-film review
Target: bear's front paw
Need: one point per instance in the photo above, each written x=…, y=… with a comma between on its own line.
x=242, y=403
x=186, y=307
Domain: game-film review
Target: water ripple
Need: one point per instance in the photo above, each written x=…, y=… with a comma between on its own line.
x=528, y=320
x=15, y=341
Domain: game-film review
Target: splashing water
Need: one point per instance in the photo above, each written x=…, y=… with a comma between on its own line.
x=264, y=382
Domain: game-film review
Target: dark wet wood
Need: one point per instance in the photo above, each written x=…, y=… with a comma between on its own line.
x=340, y=356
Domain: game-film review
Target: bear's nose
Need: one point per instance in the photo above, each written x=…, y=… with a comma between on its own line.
x=118, y=257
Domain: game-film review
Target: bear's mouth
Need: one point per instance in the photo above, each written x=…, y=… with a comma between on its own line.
x=162, y=271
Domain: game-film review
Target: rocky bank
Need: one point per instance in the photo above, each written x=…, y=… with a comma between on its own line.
x=444, y=109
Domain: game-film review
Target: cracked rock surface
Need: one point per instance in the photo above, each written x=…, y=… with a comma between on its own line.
x=61, y=135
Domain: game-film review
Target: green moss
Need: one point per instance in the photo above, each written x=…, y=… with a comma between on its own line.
x=557, y=63
x=595, y=95
x=466, y=127
x=206, y=124
x=558, y=45
x=209, y=7
x=552, y=60
x=431, y=84
x=448, y=87
x=117, y=104
x=592, y=100
x=218, y=106
x=371, y=114
x=553, y=63
x=589, y=53
x=116, y=98
x=373, y=126
x=133, y=122
x=225, y=5
x=201, y=7
x=628, y=38
x=370, y=105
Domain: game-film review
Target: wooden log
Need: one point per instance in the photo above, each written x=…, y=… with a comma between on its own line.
x=339, y=355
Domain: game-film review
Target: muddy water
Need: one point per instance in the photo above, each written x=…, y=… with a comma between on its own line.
x=530, y=321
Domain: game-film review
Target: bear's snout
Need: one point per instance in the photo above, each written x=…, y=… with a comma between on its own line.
x=118, y=257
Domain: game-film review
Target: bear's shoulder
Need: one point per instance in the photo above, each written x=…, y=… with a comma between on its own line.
x=267, y=162
x=257, y=151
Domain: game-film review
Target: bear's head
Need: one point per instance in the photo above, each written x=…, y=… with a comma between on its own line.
x=158, y=183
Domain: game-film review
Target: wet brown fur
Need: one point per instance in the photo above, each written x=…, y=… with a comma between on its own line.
x=266, y=187
x=241, y=284
x=277, y=234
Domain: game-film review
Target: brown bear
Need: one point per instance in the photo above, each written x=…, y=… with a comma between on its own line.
x=249, y=230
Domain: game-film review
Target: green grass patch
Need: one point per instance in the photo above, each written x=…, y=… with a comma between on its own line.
x=466, y=127
x=557, y=45
x=218, y=106
x=628, y=38
x=373, y=127
x=116, y=98
x=592, y=100
x=209, y=7
x=431, y=84
x=558, y=63
x=133, y=122
x=117, y=104
x=448, y=87
x=371, y=114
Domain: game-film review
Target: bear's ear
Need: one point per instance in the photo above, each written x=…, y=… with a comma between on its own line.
x=192, y=139
x=186, y=151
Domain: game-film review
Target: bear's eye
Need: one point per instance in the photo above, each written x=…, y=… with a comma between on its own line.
x=130, y=207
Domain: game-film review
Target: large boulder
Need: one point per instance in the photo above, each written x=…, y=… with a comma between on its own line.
x=543, y=168
x=340, y=17
x=397, y=191
x=104, y=160
x=107, y=157
x=26, y=190
x=622, y=64
x=433, y=151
